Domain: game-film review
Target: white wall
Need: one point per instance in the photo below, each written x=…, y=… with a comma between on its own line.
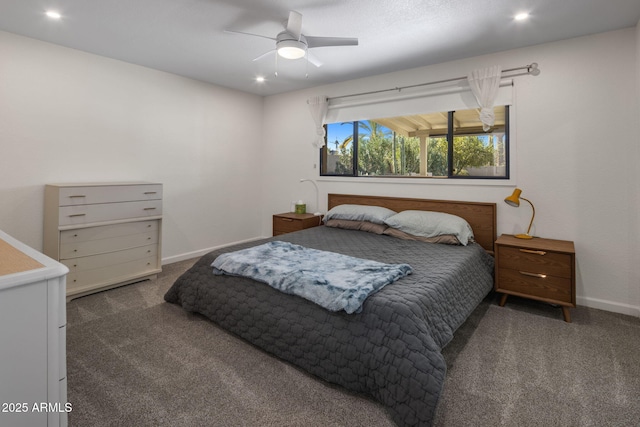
x=69, y=116
x=576, y=126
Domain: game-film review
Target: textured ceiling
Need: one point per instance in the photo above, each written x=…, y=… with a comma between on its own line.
x=187, y=37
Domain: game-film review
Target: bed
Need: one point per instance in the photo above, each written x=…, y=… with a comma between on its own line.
x=391, y=349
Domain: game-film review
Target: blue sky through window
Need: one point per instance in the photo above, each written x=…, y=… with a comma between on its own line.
x=338, y=131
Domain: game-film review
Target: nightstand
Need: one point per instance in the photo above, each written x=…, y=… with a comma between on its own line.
x=540, y=269
x=288, y=222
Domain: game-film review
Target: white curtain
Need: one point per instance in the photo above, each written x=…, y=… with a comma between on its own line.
x=484, y=84
x=318, y=105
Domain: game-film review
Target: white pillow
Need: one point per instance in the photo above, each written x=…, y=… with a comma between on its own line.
x=375, y=214
x=431, y=224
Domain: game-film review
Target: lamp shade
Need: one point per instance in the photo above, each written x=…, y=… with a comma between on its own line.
x=514, y=200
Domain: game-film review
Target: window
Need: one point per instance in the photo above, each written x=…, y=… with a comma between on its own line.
x=438, y=145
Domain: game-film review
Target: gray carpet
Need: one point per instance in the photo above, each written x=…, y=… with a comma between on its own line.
x=134, y=360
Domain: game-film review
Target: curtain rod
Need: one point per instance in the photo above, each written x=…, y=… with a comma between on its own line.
x=530, y=69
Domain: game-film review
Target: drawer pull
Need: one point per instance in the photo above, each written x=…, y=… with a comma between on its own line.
x=538, y=275
x=77, y=196
x=149, y=209
x=150, y=192
x=286, y=219
x=77, y=215
x=529, y=251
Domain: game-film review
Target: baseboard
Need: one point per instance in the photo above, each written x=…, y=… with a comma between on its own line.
x=199, y=253
x=613, y=306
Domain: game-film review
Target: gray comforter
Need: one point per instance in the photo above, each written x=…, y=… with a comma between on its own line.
x=390, y=350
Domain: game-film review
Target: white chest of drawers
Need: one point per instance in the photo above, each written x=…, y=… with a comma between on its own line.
x=33, y=368
x=107, y=234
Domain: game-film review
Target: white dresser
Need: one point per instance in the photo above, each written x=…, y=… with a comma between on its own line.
x=107, y=234
x=33, y=364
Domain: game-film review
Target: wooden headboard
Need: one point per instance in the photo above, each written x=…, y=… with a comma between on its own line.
x=480, y=216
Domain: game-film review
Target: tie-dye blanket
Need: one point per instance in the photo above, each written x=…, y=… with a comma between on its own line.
x=331, y=280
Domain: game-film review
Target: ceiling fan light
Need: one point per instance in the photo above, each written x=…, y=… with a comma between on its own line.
x=290, y=49
x=53, y=14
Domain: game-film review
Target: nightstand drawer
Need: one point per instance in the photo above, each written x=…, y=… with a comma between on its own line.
x=536, y=261
x=288, y=222
x=286, y=225
x=526, y=283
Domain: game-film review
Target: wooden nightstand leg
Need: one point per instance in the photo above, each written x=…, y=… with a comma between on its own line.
x=566, y=314
x=503, y=300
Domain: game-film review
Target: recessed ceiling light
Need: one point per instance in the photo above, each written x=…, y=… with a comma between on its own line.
x=260, y=79
x=521, y=16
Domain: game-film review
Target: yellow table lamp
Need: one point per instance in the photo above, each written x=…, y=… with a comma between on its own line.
x=514, y=200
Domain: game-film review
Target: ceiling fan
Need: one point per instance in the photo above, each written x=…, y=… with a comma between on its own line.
x=292, y=44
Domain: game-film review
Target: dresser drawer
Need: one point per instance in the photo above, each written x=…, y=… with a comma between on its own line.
x=113, y=244
x=111, y=274
x=110, y=258
x=85, y=195
x=536, y=261
x=87, y=214
x=549, y=287
x=107, y=231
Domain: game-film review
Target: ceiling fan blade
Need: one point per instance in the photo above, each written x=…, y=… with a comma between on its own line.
x=331, y=41
x=294, y=24
x=249, y=34
x=313, y=59
x=264, y=55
